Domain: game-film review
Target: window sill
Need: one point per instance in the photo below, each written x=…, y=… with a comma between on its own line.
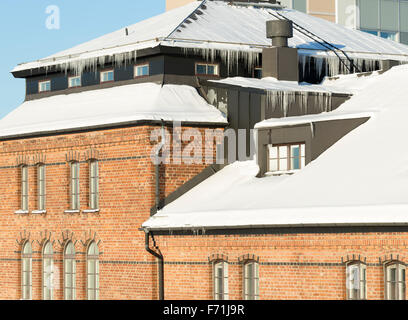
x=39, y=211
x=21, y=212
x=71, y=211
x=90, y=211
x=280, y=173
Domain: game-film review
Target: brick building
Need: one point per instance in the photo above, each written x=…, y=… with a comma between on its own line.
x=76, y=159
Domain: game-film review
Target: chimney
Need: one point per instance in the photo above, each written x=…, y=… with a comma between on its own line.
x=280, y=61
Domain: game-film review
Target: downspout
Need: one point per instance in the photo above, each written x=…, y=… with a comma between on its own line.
x=159, y=256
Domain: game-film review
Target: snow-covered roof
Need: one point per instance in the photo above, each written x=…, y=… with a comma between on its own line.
x=112, y=106
x=360, y=180
x=272, y=84
x=224, y=26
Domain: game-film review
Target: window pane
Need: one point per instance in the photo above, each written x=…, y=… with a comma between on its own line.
x=201, y=69
x=283, y=164
x=273, y=165
x=295, y=164
x=404, y=15
x=142, y=70
x=389, y=35
x=211, y=69
x=273, y=152
x=283, y=152
x=258, y=73
x=369, y=14
x=389, y=15
x=299, y=5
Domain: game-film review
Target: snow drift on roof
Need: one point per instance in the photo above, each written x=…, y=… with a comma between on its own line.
x=219, y=25
x=272, y=84
x=117, y=105
x=360, y=180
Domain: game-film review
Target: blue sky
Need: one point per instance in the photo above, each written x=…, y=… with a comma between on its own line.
x=24, y=36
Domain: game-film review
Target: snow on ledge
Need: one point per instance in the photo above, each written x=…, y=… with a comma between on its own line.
x=118, y=105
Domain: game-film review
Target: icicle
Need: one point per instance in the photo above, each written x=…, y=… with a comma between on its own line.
x=312, y=129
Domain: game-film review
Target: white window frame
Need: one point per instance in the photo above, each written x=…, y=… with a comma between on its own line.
x=48, y=274
x=74, y=185
x=26, y=273
x=24, y=187
x=41, y=188
x=400, y=284
x=220, y=283
x=140, y=66
x=253, y=281
x=44, y=82
x=72, y=78
x=288, y=147
x=356, y=280
x=93, y=184
x=106, y=72
x=92, y=258
x=215, y=65
x=70, y=258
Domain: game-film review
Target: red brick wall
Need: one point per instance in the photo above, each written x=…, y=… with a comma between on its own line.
x=292, y=266
x=127, y=187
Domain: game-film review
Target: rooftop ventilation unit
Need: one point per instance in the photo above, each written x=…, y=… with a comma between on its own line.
x=280, y=61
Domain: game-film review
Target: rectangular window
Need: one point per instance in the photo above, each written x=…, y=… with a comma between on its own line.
x=41, y=186
x=142, y=70
x=93, y=184
x=299, y=5
x=395, y=281
x=44, y=86
x=206, y=69
x=369, y=13
x=220, y=274
x=74, y=82
x=389, y=15
x=107, y=76
x=24, y=188
x=74, y=185
x=388, y=35
x=283, y=158
x=356, y=281
x=258, y=73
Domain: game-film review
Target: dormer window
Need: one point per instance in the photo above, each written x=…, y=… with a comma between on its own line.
x=286, y=158
x=74, y=82
x=207, y=69
x=44, y=86
x=107, y=76
x=142, y=70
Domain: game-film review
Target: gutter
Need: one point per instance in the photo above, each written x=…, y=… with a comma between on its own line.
x=159, y=256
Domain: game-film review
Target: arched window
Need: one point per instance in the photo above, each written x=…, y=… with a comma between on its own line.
x=251, y=280
x=220, y=276
x=69, y=272
x=74, y=185
x=48, y=271
x=27, y=263
x=92, y=269
x=356, y=281
x=395, y=281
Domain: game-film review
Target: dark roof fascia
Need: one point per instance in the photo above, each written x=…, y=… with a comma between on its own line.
x=119, y=125
x=142, y=53
x=265, y=230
